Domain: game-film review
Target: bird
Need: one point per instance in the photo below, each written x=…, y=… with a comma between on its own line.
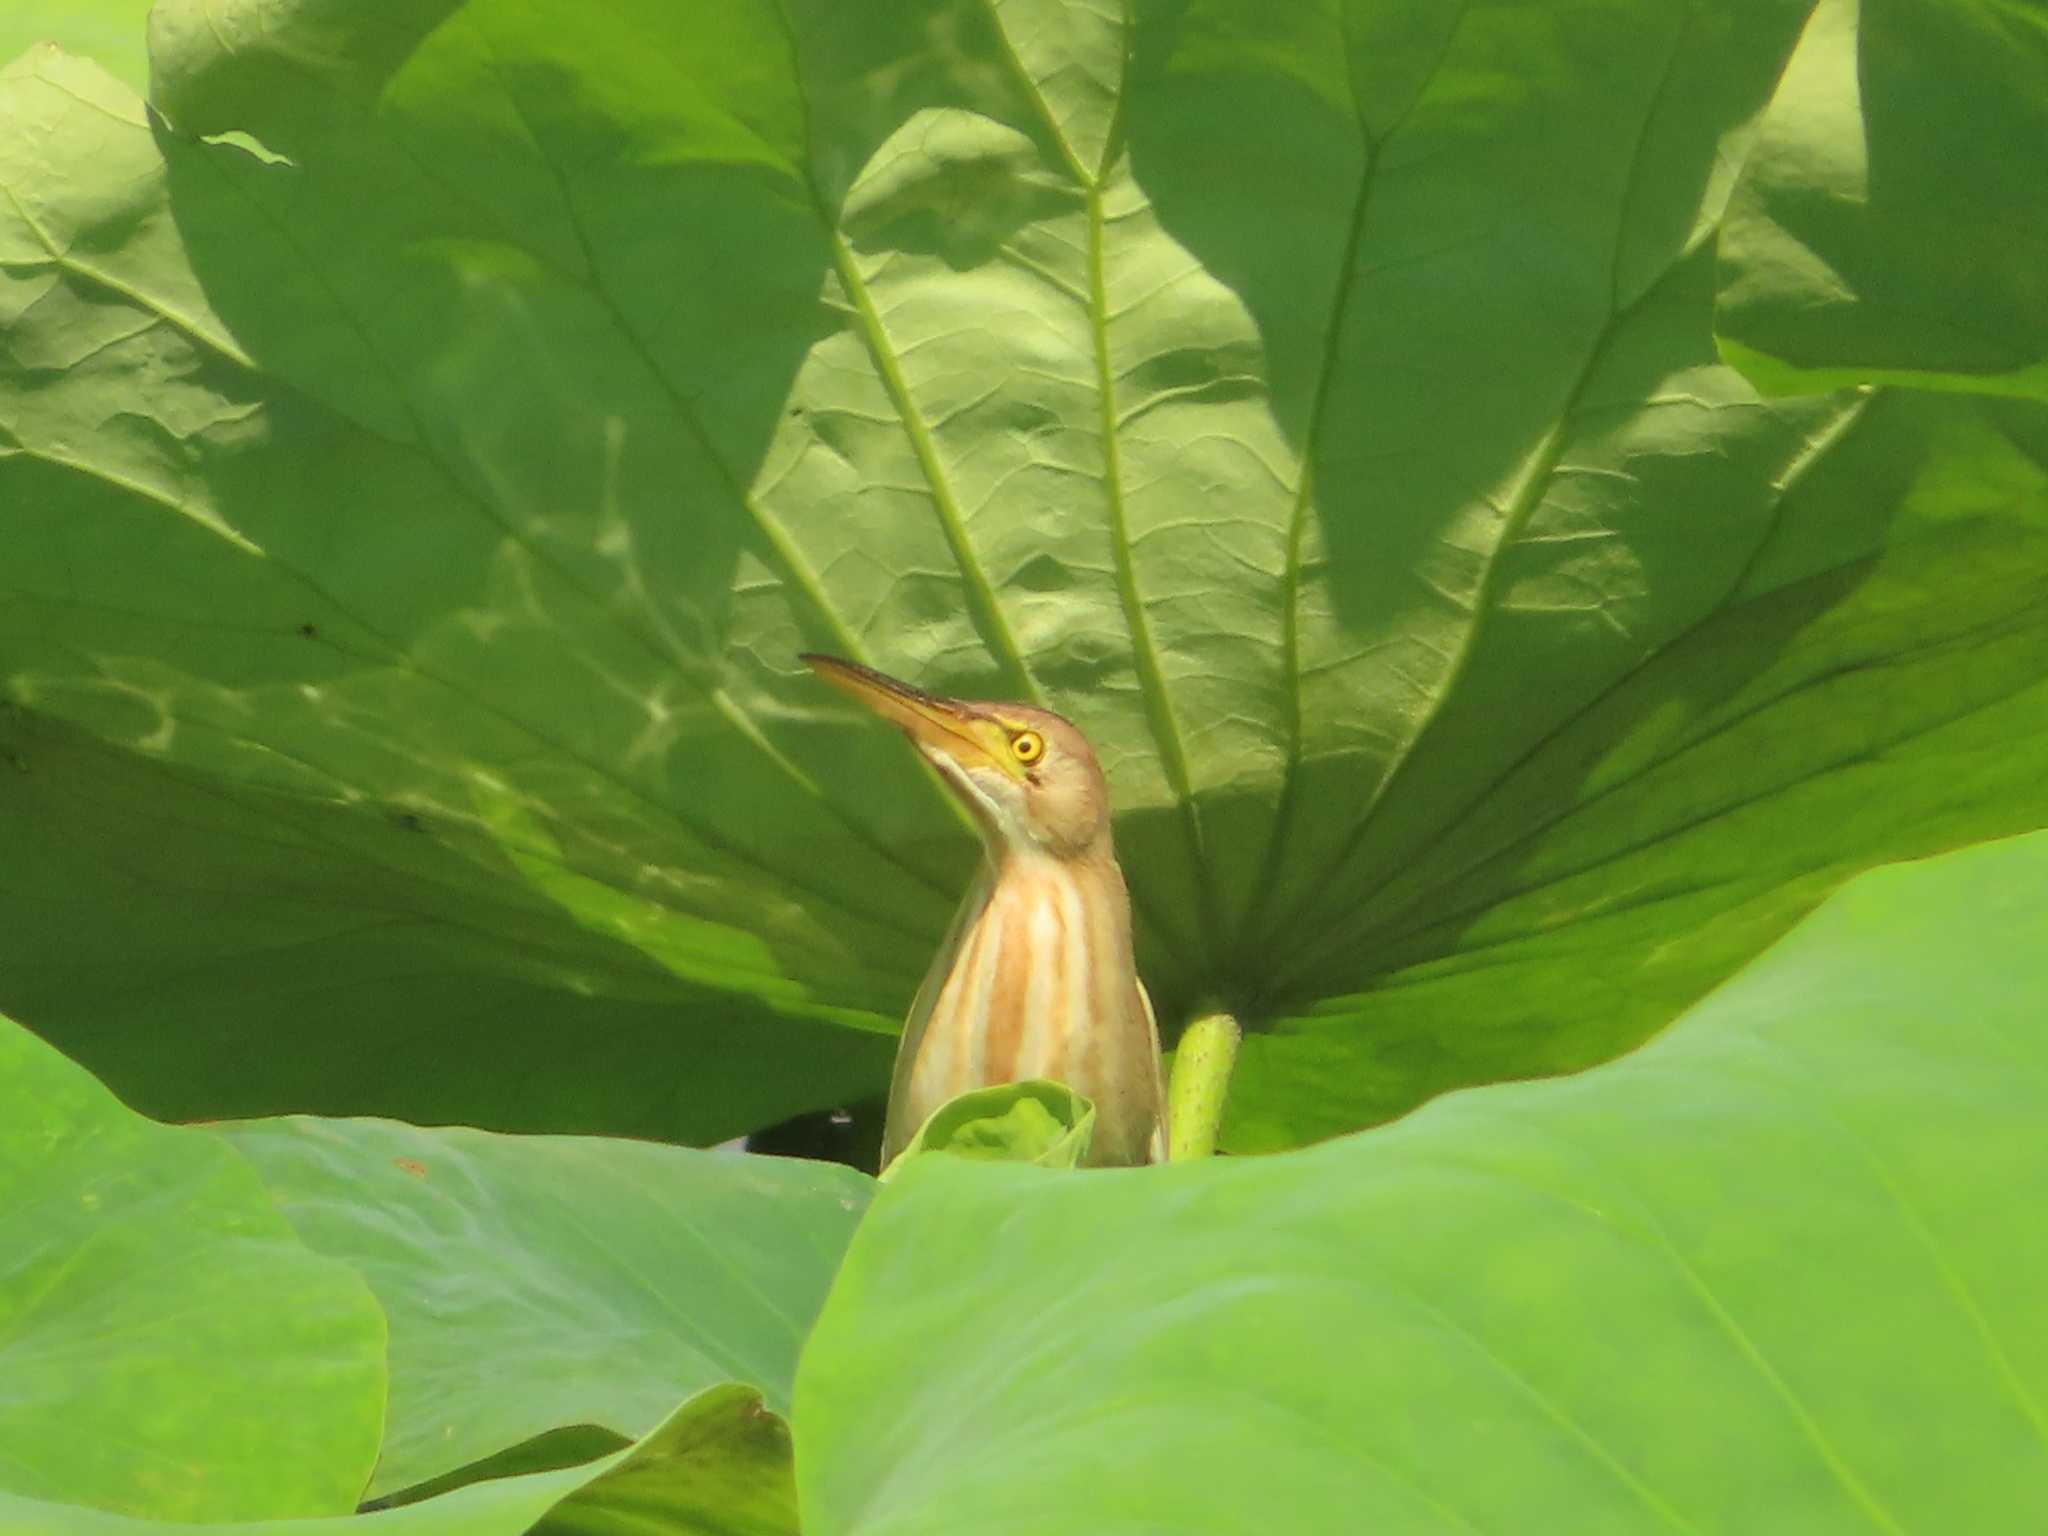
x=1036, y=976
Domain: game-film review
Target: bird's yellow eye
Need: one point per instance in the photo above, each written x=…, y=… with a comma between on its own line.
x=1028, y=746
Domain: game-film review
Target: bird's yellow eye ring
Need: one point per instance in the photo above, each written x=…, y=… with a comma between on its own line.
x=1027, y=746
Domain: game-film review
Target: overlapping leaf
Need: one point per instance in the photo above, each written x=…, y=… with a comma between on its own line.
x=156, y=1312
x=1045, y=1124
x=718, y=1466
x=535, y=1284
x=1765, y=1274
x=417, y=498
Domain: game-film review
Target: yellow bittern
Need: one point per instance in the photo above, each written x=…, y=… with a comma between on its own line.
x=1035, y=978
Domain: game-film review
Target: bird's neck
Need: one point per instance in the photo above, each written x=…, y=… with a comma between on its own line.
x=1031, y=875
x=1095, y=863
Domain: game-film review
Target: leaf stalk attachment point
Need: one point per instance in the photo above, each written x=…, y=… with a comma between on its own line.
x=1202, y=1064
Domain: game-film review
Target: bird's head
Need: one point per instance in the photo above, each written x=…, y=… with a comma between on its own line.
x=1029, y=776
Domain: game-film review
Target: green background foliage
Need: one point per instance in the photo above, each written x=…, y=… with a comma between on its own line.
x=1528, y=500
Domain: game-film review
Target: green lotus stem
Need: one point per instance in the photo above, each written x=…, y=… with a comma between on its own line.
x=1201, y=1081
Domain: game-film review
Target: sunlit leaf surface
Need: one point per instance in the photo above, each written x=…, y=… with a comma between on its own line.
x=1767, y=1274
x=156, y=1311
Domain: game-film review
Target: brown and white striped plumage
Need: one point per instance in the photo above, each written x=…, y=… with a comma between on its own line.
x=1035, y=978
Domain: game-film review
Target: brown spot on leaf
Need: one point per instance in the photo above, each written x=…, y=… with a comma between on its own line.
x=410, y=1165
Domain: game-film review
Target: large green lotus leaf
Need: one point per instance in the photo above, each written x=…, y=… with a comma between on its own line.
x=1324, y=412
x=1890, y=222
x=1776, y=1271
x=717, y=1466
x=168, y=1348
x=535, y=1283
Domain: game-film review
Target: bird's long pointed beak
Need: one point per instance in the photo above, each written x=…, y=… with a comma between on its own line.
x=933, y=724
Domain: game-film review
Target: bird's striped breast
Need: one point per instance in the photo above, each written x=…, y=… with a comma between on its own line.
x=1037, y=982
